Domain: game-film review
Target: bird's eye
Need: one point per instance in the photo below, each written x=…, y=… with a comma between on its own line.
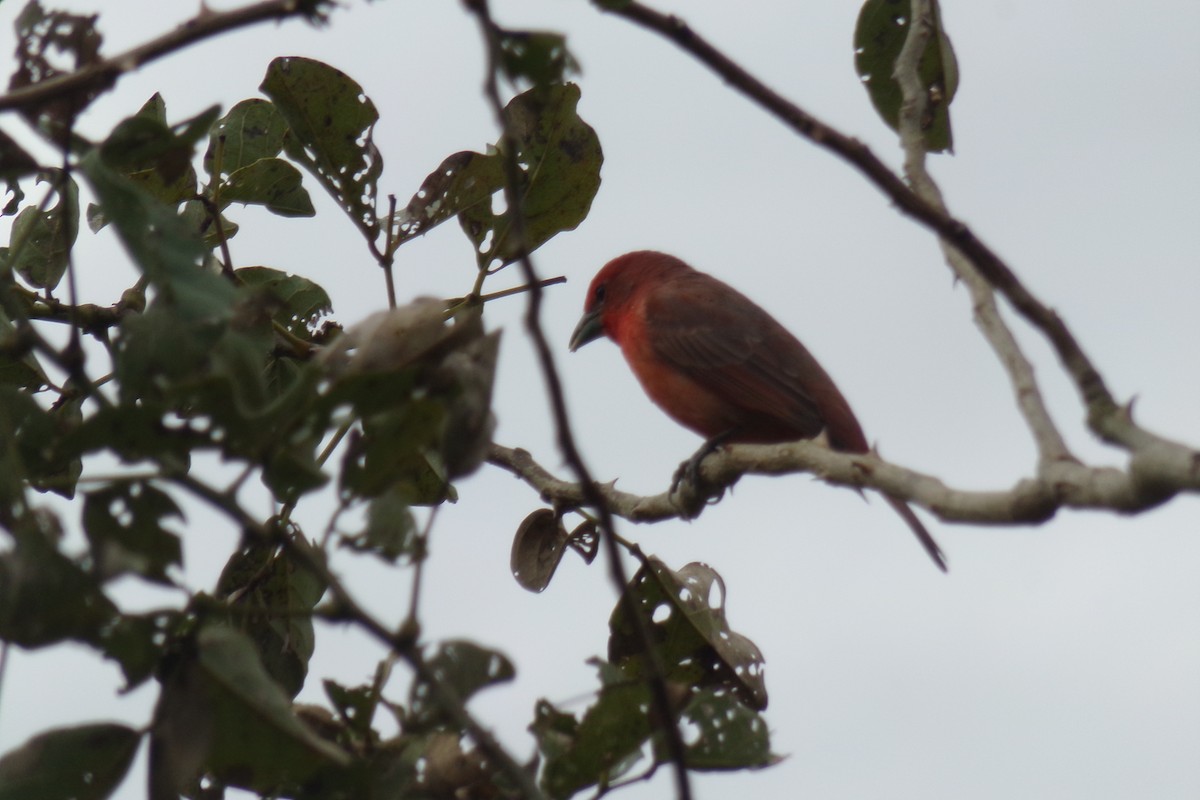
x=598, y=294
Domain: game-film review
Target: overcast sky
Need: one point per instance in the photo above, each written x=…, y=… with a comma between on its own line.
x=1054, y=662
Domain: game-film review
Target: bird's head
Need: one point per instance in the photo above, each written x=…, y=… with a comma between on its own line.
x=616, y=289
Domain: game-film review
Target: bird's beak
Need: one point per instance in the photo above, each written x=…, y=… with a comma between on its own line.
x=590, y=327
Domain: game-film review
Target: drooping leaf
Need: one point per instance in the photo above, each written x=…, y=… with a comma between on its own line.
x=879, y=36
x=686, y=610
x=330, y=127
x=86, y=762
x=460, y=182
x=40, y=242
x=537, y=549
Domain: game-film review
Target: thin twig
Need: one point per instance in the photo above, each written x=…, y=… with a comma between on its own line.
x=566, y=440
x=921, y=33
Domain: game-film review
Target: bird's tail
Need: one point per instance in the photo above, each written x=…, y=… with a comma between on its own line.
x=918, y=529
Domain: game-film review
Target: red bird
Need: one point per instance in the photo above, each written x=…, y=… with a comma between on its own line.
x=718, y=364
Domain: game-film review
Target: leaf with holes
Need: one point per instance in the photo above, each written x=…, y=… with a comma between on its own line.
x=86, y=762
x=696, y=645
x=304, y=303
x=41, y=34
x=465, y=668
x=40, y=241
x=124, y=527
x=559, y=158
x=727, y=734
x=598, y=749
x=331, y=123
x=883, y=26
x=462, y=181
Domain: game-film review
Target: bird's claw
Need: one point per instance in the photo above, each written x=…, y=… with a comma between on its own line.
x=690, y=488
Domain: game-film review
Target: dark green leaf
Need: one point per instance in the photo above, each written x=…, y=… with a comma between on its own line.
x=391, y=531
x=16, y=163
x=66, y=36
x=160, y=244
x=270, y=182
x=729, y=735
x=18, y=365
x=304, y=302
x=536, y=57
x=559, y=158
x=253, y=129
x=883, y=26
x=696, y=646
x=35, y=570
x=465, y=668
x=460, y=182
x=221, y=712
x=356, y=706
x=331, y=122
x=601, y=747
x=272, y=596
x=12, y=187
x=40, y=242
x=124, y=526
x=81, y=763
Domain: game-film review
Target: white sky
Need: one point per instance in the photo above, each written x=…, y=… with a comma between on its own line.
x=1053, y=662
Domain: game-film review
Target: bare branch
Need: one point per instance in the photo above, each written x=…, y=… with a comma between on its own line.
x=921, y=31
x=1154, y=476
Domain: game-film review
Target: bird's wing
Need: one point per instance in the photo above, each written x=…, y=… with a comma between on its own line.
x=731, y=347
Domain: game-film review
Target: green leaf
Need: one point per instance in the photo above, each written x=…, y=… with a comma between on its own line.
x=35, y=570
x=879, y=36
x=460, y=182
x=391, y=531
x=537, y=57
x=86, y=762
x=18, y=365
x=538, y=549
x=598, y=749
x=696, y=646
x=221, y=713
x=331, y=122
x=16, y=162
x=270, y=182
x=31, y=441
x=304, y=303
x=559, y=158
x=161, y=244
x=273, y=596
x=464, y=667
x=74, y=42
x=40, y=242
x=728, y=734
x=124, y=526
x=252, y=130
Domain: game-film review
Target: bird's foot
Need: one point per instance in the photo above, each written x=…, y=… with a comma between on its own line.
x=691, y=491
